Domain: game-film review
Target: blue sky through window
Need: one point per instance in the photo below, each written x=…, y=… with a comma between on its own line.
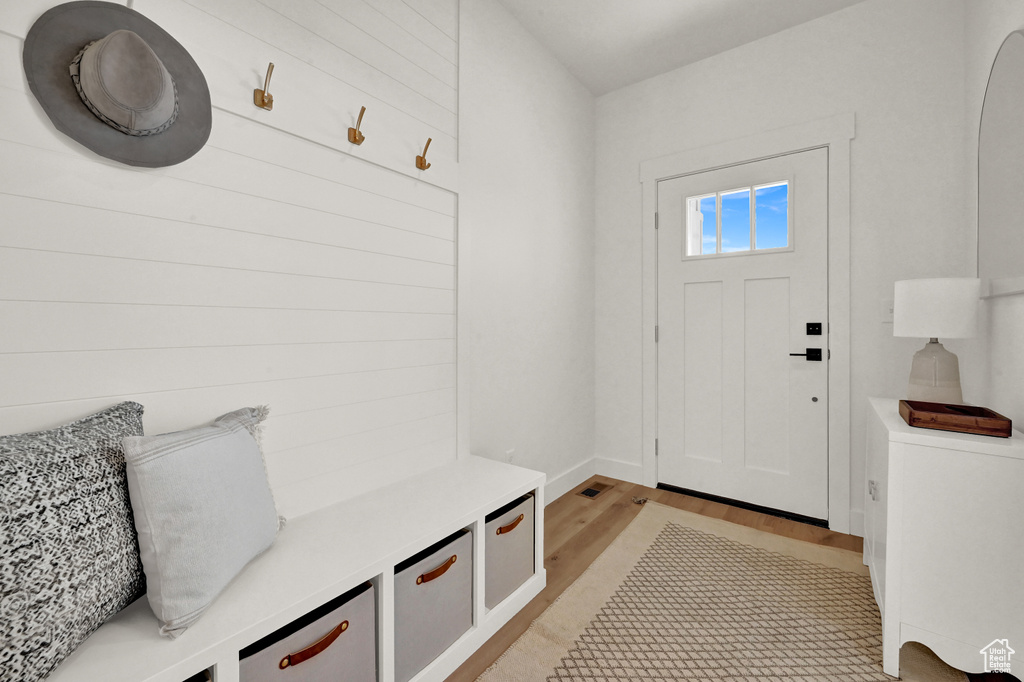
x=736, y=221
x=709, y=238
x=772, y=216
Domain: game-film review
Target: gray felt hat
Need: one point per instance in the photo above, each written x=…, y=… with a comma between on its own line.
x=117, y=83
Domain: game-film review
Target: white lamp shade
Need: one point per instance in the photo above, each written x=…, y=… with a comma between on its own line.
x=936, y=308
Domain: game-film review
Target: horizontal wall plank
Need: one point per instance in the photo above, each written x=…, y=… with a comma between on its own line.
x=329, y=423
x=10, y=52
x=55, y=326
x=172, y=410
x=295, y=34
x=17, y=18
x=327, y=391
x=242, y=136
x=50, y=377
x=319, y=230
x=279, y=193
x=345, y=483
x=113, y=280
x=291, y=464
x=416, y=24
x=443, y=14
x=369, y=19
x=233, y=172
x=72, y=229
x=339, y=34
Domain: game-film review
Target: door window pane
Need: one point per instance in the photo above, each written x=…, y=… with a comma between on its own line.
x=771, y=216
x=725, y=221
x=736, y=220
x=709, y=236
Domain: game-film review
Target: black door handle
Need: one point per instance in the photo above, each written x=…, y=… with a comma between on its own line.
x=812, y=355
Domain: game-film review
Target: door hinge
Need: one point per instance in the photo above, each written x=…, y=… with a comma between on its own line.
x=655, y=220
x=656, y=334
x=829, y=351
x=655, y=447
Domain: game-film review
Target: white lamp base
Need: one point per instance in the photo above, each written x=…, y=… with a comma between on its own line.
x=935, y=375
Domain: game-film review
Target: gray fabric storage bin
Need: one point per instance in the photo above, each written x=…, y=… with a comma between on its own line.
x=350, y=655
x=433, y=602
x=508, y=555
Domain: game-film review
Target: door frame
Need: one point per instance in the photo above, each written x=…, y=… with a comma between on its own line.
x=834, y=133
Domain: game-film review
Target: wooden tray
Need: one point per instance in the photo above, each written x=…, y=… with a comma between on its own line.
x=962, y=418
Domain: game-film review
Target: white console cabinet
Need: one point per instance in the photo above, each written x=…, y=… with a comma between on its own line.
x=317, y=557
x=944, y=539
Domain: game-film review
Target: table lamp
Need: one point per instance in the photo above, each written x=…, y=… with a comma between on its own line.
x=933, y=308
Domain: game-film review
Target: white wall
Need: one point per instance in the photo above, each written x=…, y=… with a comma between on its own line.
x=987, y=25
x=900, y=68
x=526, y=241
x=280, y=265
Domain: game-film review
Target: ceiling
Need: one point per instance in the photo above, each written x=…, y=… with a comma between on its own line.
x=608, y=44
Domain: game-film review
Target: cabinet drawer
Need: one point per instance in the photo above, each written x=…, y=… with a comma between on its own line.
x=335, y=641
x=433, y=602
x=508, y=549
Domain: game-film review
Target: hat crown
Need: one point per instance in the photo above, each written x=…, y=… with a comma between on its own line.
x=129, y=71
x=126, y=84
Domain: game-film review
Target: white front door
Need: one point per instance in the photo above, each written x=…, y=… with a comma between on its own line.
x=742, y=270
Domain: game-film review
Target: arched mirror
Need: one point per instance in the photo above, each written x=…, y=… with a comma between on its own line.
x=1001, y=166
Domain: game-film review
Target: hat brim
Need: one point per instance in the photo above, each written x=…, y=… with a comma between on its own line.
x=61, y=32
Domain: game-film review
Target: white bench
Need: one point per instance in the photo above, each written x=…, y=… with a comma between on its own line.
x=317, y=557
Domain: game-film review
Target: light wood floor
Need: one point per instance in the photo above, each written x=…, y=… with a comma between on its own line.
x=577, y=529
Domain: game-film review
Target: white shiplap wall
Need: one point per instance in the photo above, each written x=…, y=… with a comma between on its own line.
x=280, y=265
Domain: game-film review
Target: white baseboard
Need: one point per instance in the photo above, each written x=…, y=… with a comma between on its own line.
x=857, y=522
x=613, y=468
x=567, y=480
x=624, y=471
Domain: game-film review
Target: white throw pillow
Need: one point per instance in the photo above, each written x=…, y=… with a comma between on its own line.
x=203, y=510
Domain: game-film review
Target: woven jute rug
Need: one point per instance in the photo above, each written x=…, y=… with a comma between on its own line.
x=679, y=596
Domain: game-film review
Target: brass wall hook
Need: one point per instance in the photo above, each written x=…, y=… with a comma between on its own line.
x=354, y=136
x=421, y=161
x=262, y=98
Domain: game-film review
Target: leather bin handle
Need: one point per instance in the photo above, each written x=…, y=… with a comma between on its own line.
x=437, y=572
x=315, y=648
x=510, y=527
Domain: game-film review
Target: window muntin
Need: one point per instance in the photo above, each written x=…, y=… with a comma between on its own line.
x=734, y=220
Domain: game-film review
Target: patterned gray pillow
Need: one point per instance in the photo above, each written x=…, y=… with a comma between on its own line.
x=69, y=557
